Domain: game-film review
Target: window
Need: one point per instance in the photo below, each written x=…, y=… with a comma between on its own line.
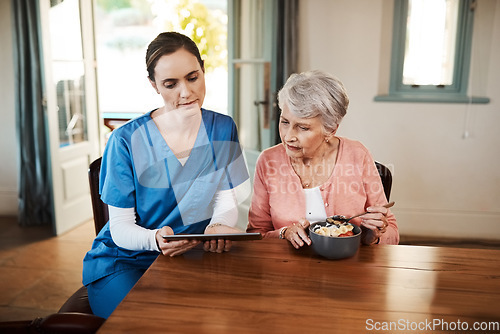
x=123, y=31
x=431, y=51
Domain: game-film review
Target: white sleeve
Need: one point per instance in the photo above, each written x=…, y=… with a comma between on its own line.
x=127, y=234
x=225, y=208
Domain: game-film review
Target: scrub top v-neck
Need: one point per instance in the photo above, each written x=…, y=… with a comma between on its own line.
x=139, y=170
x=165, y=147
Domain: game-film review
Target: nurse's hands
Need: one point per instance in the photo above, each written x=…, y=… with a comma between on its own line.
x=220, y=245
x=173, y=248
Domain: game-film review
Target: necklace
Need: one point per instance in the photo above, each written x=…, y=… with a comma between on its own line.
x=314, y=174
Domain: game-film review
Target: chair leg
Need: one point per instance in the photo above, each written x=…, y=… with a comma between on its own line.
x=74, y=323
x=78, y=302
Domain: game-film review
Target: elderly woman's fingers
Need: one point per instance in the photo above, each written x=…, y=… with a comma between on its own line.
x=378, y=208
x=297, y=234
x=376, y=218
x=370, y=236
x=303, y=236
x=375, y=224
x=296, y=241
x=304, y=223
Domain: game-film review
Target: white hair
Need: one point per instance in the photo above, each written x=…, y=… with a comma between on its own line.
x=315, y=93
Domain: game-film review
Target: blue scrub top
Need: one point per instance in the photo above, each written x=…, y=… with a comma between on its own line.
x=139, y=170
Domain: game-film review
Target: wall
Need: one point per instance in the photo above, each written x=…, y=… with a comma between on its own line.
x=445, y=183
x=8, y=141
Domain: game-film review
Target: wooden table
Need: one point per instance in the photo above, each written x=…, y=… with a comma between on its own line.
x=267, y=286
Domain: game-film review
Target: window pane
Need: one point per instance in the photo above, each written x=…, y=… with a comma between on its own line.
x=123, y=32
x=68, y=70
x=430, y=42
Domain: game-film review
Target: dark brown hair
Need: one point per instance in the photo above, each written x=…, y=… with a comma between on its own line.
x=167, y=43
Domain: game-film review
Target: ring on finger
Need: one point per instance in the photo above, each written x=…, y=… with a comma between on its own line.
x=383, y=227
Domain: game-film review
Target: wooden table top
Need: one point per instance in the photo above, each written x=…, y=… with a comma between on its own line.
x=266, y=286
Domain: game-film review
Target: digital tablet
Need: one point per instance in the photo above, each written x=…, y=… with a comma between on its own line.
x=205, y=237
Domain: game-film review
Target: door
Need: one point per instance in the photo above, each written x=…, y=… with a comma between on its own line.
x=250, y=63
x=70, y=95
x=250, y=52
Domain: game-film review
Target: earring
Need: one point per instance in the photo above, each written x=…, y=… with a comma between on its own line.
x=326, y=139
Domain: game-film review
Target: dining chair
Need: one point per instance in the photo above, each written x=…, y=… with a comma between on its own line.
x=99, y=208
x=75, y=315
x=386, y=177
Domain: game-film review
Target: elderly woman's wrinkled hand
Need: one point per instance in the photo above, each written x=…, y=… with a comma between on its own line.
x=220, y=245
x=173, y=248
x=297, y=234
x=374, y=223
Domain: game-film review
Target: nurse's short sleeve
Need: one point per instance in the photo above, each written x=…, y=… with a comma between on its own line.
x=117, y=186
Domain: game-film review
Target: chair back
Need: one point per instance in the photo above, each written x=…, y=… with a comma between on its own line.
x=99, y=208
x=386, y=177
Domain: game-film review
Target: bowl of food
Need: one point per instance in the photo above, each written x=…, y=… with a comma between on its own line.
x=335, y=240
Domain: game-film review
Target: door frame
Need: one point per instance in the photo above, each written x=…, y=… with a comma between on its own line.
x=69, y=165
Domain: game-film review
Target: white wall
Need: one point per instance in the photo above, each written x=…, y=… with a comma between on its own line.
x=444, y=184
x=8, y=141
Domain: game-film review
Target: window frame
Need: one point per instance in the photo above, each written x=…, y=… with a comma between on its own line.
x=454, y=93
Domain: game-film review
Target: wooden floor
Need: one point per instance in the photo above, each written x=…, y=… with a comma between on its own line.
x=38, y=271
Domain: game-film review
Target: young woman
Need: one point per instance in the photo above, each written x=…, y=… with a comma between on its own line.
x=173, y=170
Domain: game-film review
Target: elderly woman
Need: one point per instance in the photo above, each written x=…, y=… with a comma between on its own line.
x=314, y=174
